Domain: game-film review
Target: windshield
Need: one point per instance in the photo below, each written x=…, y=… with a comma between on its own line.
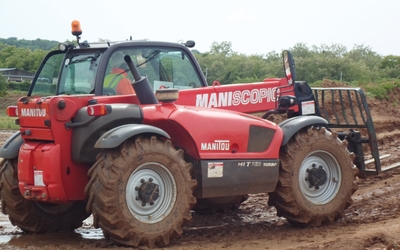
x=78, y=74
x=77, y=77
x=164, y=67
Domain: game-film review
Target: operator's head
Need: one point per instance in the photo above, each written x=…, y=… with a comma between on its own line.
x=117, y=60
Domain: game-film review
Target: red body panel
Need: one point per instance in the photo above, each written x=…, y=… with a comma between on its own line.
x=246, y=98
x=40, y=120
x=211, y=133
x=47, y=148
x=203, y=133
x=39, y=172
x=63, y=180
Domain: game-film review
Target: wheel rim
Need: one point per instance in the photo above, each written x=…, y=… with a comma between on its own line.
x=319, y=177
x=151, y=192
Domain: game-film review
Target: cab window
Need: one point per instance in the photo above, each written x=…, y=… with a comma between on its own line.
x=164, y=67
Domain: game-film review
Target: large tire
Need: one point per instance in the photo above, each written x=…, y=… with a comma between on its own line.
x=316, y=178
x=219, y=204
x=141, y=193
x=32, y=216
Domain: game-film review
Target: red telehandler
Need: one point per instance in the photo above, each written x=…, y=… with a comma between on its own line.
x=140, y=163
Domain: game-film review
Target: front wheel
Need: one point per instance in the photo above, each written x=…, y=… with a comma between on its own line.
x=316, y=178
x=141, y=193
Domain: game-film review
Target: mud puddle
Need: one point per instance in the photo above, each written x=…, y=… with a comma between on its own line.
x=14, y=238
x=248, y=217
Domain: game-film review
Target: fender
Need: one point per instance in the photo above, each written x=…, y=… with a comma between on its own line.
x=294, y=124
x=114, y=137
x=10, y=148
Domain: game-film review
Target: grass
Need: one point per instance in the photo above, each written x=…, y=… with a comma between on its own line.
x=8, y=123
x=11, y=98
x=383, y=89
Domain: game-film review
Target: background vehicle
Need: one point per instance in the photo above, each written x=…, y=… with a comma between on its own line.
x=152, y=157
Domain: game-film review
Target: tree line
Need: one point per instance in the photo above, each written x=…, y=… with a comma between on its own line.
x=41, y=44
x=313, y=64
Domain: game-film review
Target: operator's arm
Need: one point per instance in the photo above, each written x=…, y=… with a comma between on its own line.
x=124, y=87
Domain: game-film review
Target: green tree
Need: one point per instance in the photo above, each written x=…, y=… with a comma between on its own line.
x=29, y=44
x=273, y=65
x=20, y=58
x=390, y=66
x=300, y=50
x=390, y=61
x=6, y=52
x=365, y=64
x=223, y=64
x=3, y=85
x=224, y=48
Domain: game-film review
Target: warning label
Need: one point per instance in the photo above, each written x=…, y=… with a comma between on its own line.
x=215, y=169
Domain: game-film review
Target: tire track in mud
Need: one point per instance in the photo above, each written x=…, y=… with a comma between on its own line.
x=377, y=204
x=387, y=130
x=388, y=139
x=376, y=200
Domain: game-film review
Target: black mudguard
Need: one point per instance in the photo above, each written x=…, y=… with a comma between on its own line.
x=294, y=124
x=10, y=148
x=114, y=137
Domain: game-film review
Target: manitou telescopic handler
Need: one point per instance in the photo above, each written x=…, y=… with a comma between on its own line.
x=141, y=162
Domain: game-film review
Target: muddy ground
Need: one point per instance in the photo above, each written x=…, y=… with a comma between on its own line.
x=372, y=222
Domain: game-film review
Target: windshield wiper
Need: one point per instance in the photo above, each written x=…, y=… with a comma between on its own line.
x=150, y=57
x=83, y=59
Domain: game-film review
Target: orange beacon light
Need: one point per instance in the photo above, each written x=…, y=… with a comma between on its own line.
x=76, y=28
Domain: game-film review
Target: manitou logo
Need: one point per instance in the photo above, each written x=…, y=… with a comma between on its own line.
x=33, y=112
x=221, y=145
x=235, y=98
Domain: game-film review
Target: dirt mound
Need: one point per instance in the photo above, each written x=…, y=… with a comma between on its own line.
x=385, y=114
x=332, y=84
x=380, y=109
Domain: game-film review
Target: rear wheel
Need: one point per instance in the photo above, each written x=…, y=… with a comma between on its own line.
x=36, y=217
x=316, y=178
x=219, y=204
x=141, y=193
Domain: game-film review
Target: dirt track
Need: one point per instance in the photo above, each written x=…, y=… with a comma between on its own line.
x=372, y=222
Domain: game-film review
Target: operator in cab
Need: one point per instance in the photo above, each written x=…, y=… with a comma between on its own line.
x=118, y=80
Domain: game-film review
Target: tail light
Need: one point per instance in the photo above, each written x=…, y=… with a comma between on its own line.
x=99, y=110
x=12, y=111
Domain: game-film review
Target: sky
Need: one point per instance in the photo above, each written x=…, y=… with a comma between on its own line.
x=252, y=26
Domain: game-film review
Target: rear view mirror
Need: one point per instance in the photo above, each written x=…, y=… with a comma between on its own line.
x=190, y=44
x=288, y=65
